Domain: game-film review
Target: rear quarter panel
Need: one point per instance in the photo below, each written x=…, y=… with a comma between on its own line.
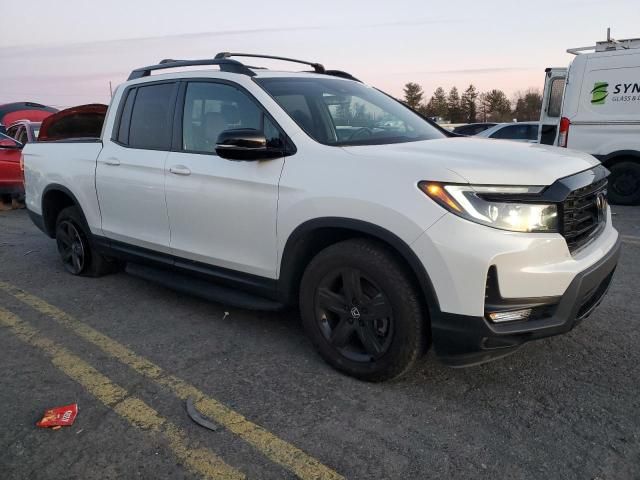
x=71, y=165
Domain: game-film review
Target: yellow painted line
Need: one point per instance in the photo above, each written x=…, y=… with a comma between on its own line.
x=631, y=239
x=132, y=409
x=277, y=450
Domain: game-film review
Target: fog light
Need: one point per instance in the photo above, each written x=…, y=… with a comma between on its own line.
x=511, y=316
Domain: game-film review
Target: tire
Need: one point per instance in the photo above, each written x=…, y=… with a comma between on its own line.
x=77, y=253
x=624, y=183
x=379, y=334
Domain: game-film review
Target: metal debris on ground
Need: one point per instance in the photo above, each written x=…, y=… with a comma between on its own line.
x=198, y=418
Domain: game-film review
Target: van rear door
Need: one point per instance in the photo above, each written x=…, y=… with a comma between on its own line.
x=555, y=79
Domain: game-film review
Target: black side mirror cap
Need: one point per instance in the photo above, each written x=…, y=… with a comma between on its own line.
x=246, y=144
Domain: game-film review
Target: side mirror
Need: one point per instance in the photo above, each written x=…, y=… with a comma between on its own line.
x=10, y=144
x=245, y=144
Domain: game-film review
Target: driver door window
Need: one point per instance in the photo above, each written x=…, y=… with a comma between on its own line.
x=212, y=108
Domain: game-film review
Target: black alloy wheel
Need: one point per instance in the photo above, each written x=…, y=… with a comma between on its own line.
x=354, y=315
x=362, y=311
x=71, y=247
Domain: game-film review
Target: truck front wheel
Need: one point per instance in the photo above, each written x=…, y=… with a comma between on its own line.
x=361, y=310
x=624, y=183
x=77, y=254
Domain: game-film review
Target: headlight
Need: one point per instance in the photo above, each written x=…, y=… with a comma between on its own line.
x=496, y=207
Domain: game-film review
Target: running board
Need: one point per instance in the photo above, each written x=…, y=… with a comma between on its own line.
x=202, y=288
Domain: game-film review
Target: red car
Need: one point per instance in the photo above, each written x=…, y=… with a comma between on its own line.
x=11, y=175
x=11, y=112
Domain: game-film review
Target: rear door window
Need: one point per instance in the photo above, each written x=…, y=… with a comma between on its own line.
x=512, y=132
x=22, y=136
x=13, y=131
x=151, y=117
x=554, y=107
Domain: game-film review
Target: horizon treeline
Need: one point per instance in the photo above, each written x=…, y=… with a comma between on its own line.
x=472, y=106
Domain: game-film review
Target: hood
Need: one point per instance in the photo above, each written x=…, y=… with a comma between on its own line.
x=484, y=161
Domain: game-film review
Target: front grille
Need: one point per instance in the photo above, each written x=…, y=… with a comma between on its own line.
x=584, y=214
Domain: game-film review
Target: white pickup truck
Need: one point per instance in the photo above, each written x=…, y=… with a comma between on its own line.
x=266, y=189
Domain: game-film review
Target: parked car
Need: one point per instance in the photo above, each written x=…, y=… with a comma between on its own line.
x=473, y=128
x=520, y=132
x=598, y=111
x=12, y=112
x=245, y=186
x=11, y=178
x=24, y=131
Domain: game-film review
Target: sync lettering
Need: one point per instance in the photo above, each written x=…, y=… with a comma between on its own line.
x=627, y=88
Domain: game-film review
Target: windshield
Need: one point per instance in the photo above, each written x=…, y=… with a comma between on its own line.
x=339, y=112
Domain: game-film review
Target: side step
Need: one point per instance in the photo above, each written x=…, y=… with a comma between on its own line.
x=202, y=288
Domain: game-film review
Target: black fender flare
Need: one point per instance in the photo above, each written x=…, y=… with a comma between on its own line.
x=291, y=267
x=60, y=188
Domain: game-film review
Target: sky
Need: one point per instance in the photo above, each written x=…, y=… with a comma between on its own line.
x=65, y=53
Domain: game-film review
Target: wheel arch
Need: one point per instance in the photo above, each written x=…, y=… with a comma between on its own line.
x=619, y=156
x=55, y=198
x=314, y=235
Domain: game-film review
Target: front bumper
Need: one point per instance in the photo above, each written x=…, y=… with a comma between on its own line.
x=462, y=340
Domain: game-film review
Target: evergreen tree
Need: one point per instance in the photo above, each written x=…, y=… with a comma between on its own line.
x=498, y=106
x=453, y=106
x=468, y=105
x=439, y=103
x=413, y=94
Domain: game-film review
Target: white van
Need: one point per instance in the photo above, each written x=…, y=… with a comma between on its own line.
x=594, y=106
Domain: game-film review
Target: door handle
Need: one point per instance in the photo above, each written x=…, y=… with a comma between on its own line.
x=180, y=170
x=113, y=161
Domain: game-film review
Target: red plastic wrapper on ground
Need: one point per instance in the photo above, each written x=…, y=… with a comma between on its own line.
x=59, y=416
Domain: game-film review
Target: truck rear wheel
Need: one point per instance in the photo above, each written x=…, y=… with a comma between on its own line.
x=624, y=183
x=361, y=311
x=77, y=254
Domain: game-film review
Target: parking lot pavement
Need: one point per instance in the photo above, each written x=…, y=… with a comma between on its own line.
x=130, y=353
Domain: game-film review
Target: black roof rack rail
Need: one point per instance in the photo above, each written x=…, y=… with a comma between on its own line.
x=233, y=66
x=341, y=74
x=317, y=67
x=226, y=65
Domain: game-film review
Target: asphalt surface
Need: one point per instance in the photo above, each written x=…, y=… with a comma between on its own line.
x=565, y=407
